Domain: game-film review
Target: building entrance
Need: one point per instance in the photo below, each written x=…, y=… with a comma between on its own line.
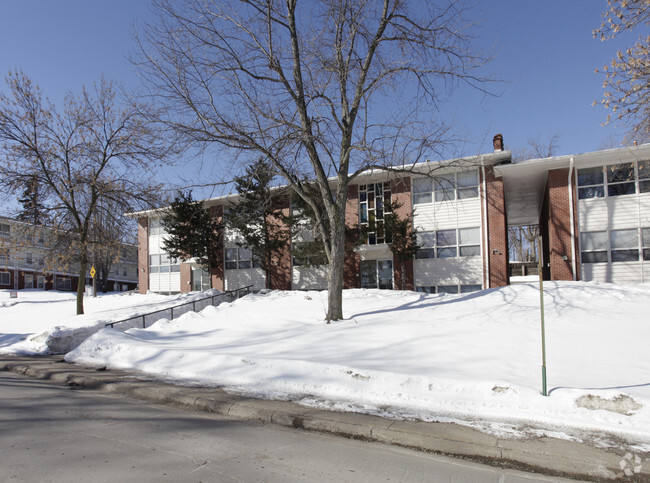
x=377, y=274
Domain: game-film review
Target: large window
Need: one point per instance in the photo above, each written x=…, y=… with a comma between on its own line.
x=309, y=254
x=614, y=180
x=374, y=202
x=5, y=230
x=156, y=227
x=453, y=186
x=457, y=242
x=613, y=246
x=5, y=278
x=63, y=283
x=453, y=289
x=162, y=263
x=240, y=258
x=645, y=242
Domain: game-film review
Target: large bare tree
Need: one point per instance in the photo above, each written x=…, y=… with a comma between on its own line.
x=94, y=159
x=322, y=89
x=627, y=76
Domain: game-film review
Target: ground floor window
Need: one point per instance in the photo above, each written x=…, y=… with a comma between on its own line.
x=29, y=281
x=240, y=258
x=628, y=245
x=455, y=289
x=200, y=280
x=63, y=283
x=40, y=282
x=377, y=274
x=5, y=278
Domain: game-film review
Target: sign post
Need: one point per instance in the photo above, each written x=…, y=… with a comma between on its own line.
x=541, y=308
x=93, y=272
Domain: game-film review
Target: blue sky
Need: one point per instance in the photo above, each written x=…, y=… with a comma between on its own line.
x=544, y=52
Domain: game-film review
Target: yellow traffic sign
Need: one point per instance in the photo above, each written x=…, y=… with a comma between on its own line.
x=92, y=272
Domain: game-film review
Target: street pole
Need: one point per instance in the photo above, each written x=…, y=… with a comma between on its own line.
x=541, y=308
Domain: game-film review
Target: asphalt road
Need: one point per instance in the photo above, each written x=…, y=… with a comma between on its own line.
x=53, y=433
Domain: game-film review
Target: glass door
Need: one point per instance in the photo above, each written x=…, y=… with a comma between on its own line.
x=377, y=274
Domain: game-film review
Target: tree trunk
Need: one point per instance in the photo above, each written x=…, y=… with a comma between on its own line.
x=81, y=284
x=335, y=278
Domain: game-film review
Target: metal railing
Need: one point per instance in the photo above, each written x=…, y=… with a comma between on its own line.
x=180, y=309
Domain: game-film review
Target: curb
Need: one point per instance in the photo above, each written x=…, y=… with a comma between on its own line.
x=544, y=455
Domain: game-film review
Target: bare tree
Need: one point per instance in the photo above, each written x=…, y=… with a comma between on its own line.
x=99, y=148
x=322, y=89
x=536, y=148
x=627, y=76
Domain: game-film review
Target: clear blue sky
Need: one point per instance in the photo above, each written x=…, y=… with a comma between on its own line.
x=544, y=51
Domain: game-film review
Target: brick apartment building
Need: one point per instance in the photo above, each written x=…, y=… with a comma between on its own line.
x=592, y=209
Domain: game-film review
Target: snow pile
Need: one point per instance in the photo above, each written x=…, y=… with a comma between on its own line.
x=470, y=358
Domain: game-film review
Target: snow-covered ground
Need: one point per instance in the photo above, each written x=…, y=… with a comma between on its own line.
x=471, y=358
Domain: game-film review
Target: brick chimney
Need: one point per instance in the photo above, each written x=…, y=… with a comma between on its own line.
x=497, y=142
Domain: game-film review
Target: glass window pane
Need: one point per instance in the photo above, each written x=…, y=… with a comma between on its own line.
x=644, y=169
x=591, y=192
x=245, y=254
x=646, y=253
x=445, y=238
x=421, y=185
x=595, y=240
x=469, y=288
x=467, y=178
x=447, y=288
x=425, y=253
x=445, y=182
x=470, y=251
x=620, y=189
x=426, y=289
x=449, y=252
x=363, y=196
x=231, y=265
x=245, y=263
x=466, y=193
x=231, y=254
x=164, y=269
x=164, y=258
x=426, y=238
x=620, y=172
x=154, y=260
x=644, y=186
x=444, y=195
x=625, y=255
x=154, y=269
x=175, y=268
x=469, y=236
x=594, y=257
x=645, y=237
x=590, y=176
x=624, y=239
x=363, y=213
x=421, y=198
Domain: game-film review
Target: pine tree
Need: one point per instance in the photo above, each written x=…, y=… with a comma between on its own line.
x=191, y=232
x=256, y=218
x=33, y=210
x=402, y=238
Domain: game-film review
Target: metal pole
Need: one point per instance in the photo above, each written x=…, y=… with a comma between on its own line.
x=541, y=308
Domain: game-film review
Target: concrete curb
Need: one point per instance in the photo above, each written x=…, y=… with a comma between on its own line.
x=544, y=455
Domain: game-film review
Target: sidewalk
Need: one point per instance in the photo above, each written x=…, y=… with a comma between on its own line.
x=545, y=455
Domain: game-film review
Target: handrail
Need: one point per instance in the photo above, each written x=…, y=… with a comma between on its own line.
x=232, y=294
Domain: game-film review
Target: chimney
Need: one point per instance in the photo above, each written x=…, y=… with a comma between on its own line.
x=497, y=142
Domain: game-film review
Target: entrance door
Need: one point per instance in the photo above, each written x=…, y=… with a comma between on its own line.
x=377, y=274
x=29, y=281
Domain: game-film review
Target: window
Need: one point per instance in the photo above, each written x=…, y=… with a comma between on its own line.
x=40, y=282
x=156, y=227
x=240, y=258
x=4, y=255
x=63, y=283
x=613, y=180
x=308, y=254
x=594, y=247
x=453, y=289
x=613, y=246
x=374, y=202
x=463, y=242
x=645, y=242
x=644, y=176
x=159, y=264
x=125, y=271
x=624, y=245
x=5, y=278
x=29, y=281
x=5, y=230
x=29, y=259
x=452, y=186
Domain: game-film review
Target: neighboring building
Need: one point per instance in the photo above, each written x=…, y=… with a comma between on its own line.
x=593, y=211
x=28, y=260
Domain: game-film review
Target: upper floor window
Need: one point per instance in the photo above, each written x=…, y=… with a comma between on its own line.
x=452, y=186
x=613, y=180
x=5, y=230
x=457, y=242
x=162, y=263
x=156, y=227
x=374, y=203
x=240, y=258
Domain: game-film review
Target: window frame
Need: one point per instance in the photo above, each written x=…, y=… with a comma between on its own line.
x=374, y=203
x=430, y=246
x=7, y=276
x=446, y=187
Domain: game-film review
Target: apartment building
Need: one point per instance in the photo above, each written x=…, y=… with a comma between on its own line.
x=29, y=260
x=592, y=209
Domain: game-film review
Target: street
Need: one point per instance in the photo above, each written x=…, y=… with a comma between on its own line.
x=53, y=433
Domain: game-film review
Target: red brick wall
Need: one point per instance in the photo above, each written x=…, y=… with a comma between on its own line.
x=186, y=277
x=143, y=254
x=558, y=233
x=352, y=268
x=497, y=227
x=401, y=195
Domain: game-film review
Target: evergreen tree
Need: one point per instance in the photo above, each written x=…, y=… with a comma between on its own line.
x=402, y=238
x=33, y=209
x=260, y=225
x=192, y=232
